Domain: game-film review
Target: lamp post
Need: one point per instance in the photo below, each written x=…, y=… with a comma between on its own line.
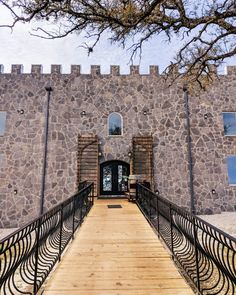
x=42, y=193
x=190, y=158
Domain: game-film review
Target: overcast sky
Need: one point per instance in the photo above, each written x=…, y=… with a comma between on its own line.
x=19, y=47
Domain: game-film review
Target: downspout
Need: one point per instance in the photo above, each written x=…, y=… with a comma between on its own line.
x=189, y=146
x=42, y=193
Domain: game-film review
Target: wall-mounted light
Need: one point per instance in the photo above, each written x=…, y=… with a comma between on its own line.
x=157, y=192
x=207, y=115
x=83, y=113
x=99, y=154
x=129, y=154
x=213, y=191
x=20, y=111
x=145, y=112
x=15, y=191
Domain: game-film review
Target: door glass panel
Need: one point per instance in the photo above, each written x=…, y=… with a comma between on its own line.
x=107, y=178
x=122, y=178
x=114, y=178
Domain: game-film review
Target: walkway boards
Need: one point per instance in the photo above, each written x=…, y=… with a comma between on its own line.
x=116, y=252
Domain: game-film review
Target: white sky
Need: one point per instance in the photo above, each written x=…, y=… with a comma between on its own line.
x=19, y=47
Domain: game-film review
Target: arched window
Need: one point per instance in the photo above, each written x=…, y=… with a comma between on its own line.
x=115, y=124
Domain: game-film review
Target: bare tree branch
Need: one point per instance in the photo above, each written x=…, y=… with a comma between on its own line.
x=207, y=28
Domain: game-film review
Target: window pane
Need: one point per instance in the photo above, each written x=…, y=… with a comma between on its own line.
x=229, y=123
x=122, y=178
x=107, y=178
x=231, y=165
x=115, y=124
x=3, y=116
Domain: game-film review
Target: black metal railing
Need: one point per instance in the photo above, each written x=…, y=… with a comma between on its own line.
x=206, y=254
x=28, y=255
x=82, y=184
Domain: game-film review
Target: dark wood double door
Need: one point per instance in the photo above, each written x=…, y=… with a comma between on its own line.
x=114, y=178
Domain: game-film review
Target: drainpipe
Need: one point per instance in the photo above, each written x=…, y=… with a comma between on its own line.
x=190, y=158
x=49, y=90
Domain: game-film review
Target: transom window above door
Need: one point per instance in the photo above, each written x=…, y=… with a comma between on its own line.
x=115, y=124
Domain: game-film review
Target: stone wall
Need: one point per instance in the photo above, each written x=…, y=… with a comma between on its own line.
x=23, y=97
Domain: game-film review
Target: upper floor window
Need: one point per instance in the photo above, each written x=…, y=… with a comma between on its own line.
x=3, y=116
x=115, y=124
x=229, y=119
x=231, y=167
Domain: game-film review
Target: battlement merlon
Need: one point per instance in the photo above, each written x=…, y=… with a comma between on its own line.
x=95, y=70
x=231, y=70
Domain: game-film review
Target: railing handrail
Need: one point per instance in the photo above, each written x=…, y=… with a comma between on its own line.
x=206, y=254
x=189, y=213
x=42, y=215
x=29, y=254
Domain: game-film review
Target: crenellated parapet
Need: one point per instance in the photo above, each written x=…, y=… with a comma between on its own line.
x=95, y=70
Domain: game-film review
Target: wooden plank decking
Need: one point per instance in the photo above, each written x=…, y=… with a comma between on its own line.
x=116, y=252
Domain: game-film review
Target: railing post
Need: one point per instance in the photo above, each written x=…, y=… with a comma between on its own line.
x=61, y=226
x=149, y=205
x=158, y=215
x=37, y=255
x=196, y=252
x=92, y=193
x=86, y=203
x=171, y=230
x=81, y=209
x=73, y=218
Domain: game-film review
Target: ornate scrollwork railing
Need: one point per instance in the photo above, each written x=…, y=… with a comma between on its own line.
x=206, y=254
x=28, y=255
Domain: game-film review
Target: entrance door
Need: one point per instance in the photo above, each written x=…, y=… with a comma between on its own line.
x=114, y=178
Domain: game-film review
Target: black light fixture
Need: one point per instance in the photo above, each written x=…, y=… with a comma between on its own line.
x=157, y=192
x=15, y=191
x=145, y=112
x=21, y=111
x=83, y=113
x=207, y=115
x=99, y=154
x=129, y=153
x=213, y=191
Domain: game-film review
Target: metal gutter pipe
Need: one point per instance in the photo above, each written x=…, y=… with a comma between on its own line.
x=189, y=146
x=42, y=192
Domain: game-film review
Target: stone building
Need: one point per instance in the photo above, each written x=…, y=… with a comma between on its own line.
x=103, y=127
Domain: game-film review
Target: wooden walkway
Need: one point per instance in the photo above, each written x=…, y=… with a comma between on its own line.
x=116, y=252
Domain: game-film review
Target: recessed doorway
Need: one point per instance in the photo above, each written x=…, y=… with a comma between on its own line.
x=114, y=178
